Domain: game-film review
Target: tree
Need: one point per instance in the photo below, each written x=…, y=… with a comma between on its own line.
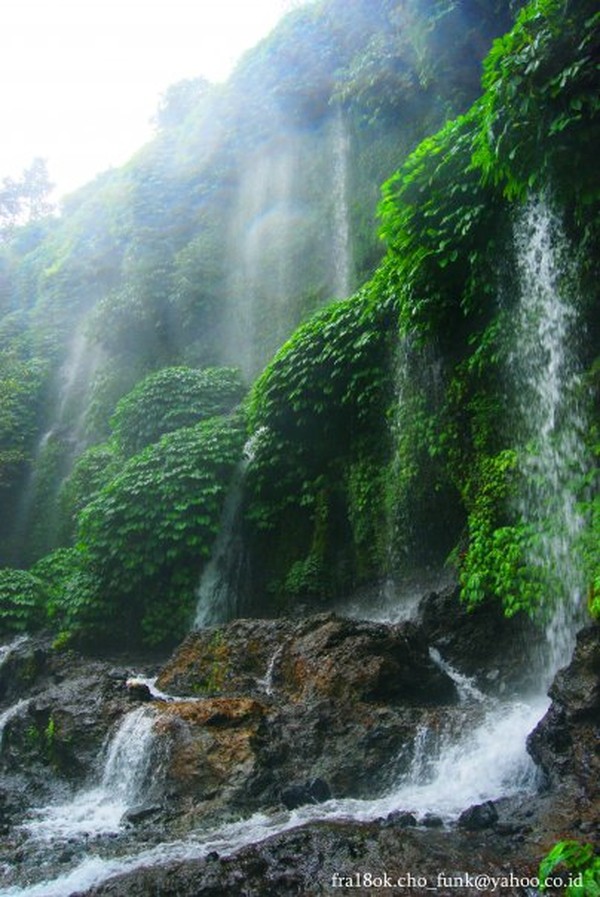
x=25, y=199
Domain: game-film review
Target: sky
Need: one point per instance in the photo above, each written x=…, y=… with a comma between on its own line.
x=81, y=79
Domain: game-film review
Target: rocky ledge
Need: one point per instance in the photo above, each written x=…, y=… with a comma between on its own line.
x=263, y=715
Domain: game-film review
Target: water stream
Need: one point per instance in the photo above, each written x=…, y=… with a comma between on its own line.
x=551, y=418
x=128, y=772
x=341, y=248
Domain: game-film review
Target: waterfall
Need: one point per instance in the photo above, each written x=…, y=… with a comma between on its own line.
x=221, y=590
x=7, y=650
x=218, y=593
x=266, y=246
x=126, y=777
x=13, y=711
x=341, y=244
x=551, y=419
x=36, y=516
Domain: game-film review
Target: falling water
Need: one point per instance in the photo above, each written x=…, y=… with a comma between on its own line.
x=7, y=650
x=341, y=248
x=551, y=416
x=57, y=449
x=13, y=711
x=128, y=765
x=269, y=250
x=221, y=590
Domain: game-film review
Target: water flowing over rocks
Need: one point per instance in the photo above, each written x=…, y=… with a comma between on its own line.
x=271, y=717
x=321, y=698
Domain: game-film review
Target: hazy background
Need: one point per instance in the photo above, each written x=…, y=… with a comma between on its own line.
x=82, y=78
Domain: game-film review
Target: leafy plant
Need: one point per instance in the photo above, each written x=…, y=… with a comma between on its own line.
x=146, y=534
x=171, y=399
x=22, y=598
x=576, y=858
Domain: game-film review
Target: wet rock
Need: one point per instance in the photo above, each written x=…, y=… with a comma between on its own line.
x=480, y=642
x=335, y=700
x=140, y=814
x=316, y=791
x=431, y=820
x=478, y=817
x=324, y=653
x=138, y=691
x=400, y=819
x=565, y=742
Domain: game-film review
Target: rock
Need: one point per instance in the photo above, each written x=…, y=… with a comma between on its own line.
x=565, y=742
x=140, y=814
x=138, y=691
x=480, y=642
x=478, y=817
x=375, y=662
x=400, y=819
x=576, y=688
x=334, y=700
x=432, y=820
x=315, y=791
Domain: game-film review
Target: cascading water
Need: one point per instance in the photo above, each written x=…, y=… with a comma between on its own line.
x=220, y=592
x=268, y=237
x=128, y=765
x=342, y=250
x=550, y=417
x=7, y=650
x=11, y=713
x=57, y=449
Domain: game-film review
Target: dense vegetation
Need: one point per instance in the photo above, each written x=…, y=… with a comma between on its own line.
x=383, y=429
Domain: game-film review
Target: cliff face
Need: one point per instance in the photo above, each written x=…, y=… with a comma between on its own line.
x=253, y=207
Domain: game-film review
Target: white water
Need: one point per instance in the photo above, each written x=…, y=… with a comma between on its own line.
x=396, y=600
x=63, y=441
x=551, y=417
x=13, y=711
x=465, y=686
x=489, y=764
x=6, y=650
x=100, y=809
x=267, y=683
x=341, y=248
x=269, y=236
x=222, y=581
x=216, y=595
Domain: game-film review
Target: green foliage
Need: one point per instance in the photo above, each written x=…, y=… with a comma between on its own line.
x=368, y=513
x=540, y=113
x=20, y=387
x=171, y=399
x=442, y=227
x=96, y=467
x=146, y=534
x=70, y=591
x=325, y=392
x=580, y=860
x=22, y=597
x=319, y=414
x=495, y=562
x=25, y=199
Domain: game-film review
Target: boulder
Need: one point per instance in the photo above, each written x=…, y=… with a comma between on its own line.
x=481, y=642
x=315, y=791
x=478, y=817
x=566, y=742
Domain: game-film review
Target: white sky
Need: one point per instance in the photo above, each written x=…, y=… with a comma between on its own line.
x=80, y=79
